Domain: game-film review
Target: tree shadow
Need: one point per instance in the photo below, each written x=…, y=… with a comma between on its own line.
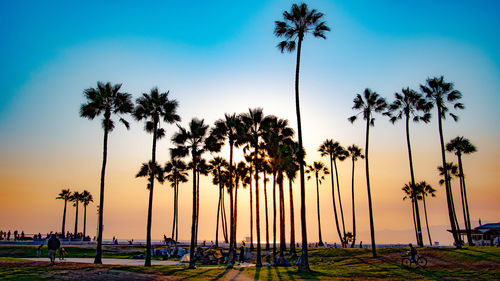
x=221, y=274
x=257, y=273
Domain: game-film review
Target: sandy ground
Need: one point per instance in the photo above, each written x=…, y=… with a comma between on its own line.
x=109, y=261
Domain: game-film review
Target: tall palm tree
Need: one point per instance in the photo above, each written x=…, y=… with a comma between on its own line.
x=217, y=165
x=153, y=108
x=424, y=189
x=106, y=99
x=242, y=174
x=297, y=23
x=230, y=128
x=256, y=125
x=441, y=94
x=76, y=197
x=328, y=148
x=176, y=173
x=87, y=198
x=336, y=151
x=319, y=170
x=369, y=104
x=64, y=195
x=461, y=145
x=411, y=105
x=354, y=152
x=191, y=141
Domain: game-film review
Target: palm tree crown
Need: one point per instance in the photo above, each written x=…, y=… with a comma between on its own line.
x=107, y=99
x=460, y=145
x=297, y=23
x=439, y=93
x=369, y=103
x=410, y=104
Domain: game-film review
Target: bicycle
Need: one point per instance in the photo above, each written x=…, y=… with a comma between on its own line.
x=419, y=261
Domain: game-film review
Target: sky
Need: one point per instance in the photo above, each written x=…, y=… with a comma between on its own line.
x=221, y=57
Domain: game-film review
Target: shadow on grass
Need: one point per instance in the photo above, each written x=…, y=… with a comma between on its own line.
x=221, y=274
x=257, y=273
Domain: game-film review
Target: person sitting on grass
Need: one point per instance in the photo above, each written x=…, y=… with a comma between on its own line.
x=413, y=253
x=53, y=244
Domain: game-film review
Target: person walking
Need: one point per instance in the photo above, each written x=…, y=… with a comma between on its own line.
x=53, y=244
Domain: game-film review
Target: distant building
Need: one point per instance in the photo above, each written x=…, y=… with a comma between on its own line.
x=482, y=235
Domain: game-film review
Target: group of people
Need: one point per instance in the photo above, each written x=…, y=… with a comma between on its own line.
x=16, y=235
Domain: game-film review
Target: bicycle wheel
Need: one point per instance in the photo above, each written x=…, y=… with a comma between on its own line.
x=406, y=262
x=421, y=261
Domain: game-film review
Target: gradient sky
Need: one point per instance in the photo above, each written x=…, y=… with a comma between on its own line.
x=221, y=57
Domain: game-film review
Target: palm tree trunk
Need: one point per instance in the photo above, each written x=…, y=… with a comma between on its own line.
x=333, y=200
x=175, y=210
x=372, y=227
x=257, y=207
x=454, y=211
x=426, y=221
x=64, y=218
x=98, y=254
x=177, y=213
x=84, y=220
x=449, y=199
x=274, y=217
x=251, y=215
x=230, y=260
x=193, y=220
x=197, y=206
x=467, y=222
x=320, y=243
x=224, y=218
x=147, y=261
x=282, y=221
x=414, y=220
x=416, y=214
x=76, y=219
x=217, y=225
x=464, y=204
x=235, y=218
x=304, y=260
x=292, y=222
x=267, y=213
x=353, y=210
x=344, y=242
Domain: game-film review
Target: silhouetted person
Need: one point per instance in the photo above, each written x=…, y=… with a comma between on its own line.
x=361, y=245
x=39, y=250
x=53, y=244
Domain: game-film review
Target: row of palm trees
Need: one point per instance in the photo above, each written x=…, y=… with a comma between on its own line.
x=267, y=142
x=75, y=197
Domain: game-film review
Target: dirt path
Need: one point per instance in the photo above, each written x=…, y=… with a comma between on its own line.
x=234, y=274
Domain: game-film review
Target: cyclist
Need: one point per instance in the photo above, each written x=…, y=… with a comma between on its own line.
x=413, y=253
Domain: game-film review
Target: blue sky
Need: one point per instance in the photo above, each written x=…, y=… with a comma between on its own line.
x=220, y=56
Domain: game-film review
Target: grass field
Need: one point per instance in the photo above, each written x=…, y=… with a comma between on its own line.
x=472, y=263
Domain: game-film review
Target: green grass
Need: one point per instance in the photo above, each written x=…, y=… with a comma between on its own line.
x=473, y=263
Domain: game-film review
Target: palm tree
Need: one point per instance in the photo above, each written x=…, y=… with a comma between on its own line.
x=266, y=169
x=447, y=172
x=191, y=141
x=64, y=195
x=410, y=191
x=256, y=125
x=369, y=104
x=424, y=189
x=86, y=200
x=335, y=151
x=354, y=152
x=105, y=99
x=461, y=145
x=152, y=108
x=411, y=105
x=230, y=128
x=242, y=175
x=176, y=173
x=76, y=197
x=297, y=23
x=319, y=170
x=217, y=165
x=440, y=94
